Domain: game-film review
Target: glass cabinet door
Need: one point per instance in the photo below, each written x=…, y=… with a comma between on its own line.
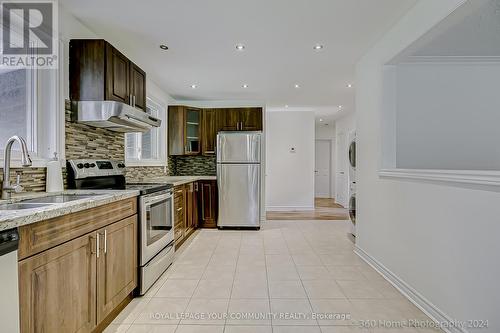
x=192, y=131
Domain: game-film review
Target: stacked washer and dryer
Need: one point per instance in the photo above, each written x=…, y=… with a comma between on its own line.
x=352, y=181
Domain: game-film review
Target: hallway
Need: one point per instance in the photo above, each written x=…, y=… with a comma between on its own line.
x=324, y=209
x=306, y=268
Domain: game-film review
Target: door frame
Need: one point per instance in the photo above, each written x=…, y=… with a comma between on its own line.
x=329, y=166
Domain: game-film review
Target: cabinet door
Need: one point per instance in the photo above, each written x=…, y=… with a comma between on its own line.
x=58, y=288
x=179, y=212
x=175, y=130
x=138, y=86
x=194, y=212
x=208, y=203
x=192, y=131
x=228, y=119
x=251, y=119
x=116, y=265
x=117, y=76
x=208, y=131
x=189, y=208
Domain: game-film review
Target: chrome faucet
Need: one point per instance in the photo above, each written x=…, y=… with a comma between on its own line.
x=7, y=188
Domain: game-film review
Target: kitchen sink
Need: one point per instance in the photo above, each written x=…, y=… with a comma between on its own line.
x=22, y=205
x=55, y=199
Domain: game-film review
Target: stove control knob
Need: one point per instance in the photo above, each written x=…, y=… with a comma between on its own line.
x=79, y=166
x=121, y=165
x=92, y=165
x=86, y=165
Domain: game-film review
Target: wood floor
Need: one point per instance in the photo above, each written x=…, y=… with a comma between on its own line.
x=325, y=209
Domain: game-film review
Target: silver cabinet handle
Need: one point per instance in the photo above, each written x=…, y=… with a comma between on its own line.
x=97, y=245
x=105, y=241
x=133, y=100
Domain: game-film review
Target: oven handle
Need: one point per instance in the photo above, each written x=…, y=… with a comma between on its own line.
x=158, y=198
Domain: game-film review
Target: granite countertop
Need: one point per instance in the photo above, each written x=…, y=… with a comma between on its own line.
x=15, y=218
x=177, y=180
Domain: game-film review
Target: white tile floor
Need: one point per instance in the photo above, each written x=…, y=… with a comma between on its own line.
x=289, y=267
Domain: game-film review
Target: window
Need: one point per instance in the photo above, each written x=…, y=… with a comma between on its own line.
x=148, y=148
x=17, y=105
x=30, y=105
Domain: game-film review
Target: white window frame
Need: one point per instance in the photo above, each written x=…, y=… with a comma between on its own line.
x=46, y=119
x=161, y=143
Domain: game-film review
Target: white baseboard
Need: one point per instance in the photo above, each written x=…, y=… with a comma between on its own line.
x=288, y=208
x=411, y=294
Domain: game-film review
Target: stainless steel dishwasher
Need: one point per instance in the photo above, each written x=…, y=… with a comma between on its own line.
x=9, y=288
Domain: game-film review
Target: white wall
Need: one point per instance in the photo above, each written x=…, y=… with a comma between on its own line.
x=441, y=241
x=343, y=127
x=289, y=176
x=327, y=132
x=447, y=116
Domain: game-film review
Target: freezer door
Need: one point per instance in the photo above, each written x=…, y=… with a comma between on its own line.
x=239, y=195
x=238, y=147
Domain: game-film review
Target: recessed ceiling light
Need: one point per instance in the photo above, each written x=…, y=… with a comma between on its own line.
x=318, y=47
x=245, y=86
x=340, y=106
x=240, y=47
x=286, y=106
x=349, y=85
x=320, y=119
x=194, y=86
x=297, y=85
x=163, y=47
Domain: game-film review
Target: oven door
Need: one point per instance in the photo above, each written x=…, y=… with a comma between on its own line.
x=157, y=228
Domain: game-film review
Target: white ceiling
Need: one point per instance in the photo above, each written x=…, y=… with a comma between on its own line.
x=279, y=36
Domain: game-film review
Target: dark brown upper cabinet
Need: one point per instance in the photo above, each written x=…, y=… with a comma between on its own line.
x=192, y=131
x=228, y=119
x=251, y=119
x=208, y=131
x=138, y=86
x=99, y=72
x=240, y=119
x=184, y=130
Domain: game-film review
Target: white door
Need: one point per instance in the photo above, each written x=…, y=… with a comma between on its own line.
x=342, y=158
x=322, y=169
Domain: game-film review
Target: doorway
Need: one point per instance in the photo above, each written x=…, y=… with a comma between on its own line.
x=323, y=169
x=341, y=177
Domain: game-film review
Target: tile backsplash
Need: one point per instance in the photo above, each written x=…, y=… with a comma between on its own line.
x=84, y=141
x=32, y=179
x=193, y=165
x=135, y=174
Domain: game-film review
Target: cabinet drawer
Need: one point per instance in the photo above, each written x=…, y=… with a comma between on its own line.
x=41, y=236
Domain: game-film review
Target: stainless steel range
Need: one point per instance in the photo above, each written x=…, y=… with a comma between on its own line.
x=156, y=213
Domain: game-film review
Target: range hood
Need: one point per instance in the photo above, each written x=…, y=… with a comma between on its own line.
x=113, y=116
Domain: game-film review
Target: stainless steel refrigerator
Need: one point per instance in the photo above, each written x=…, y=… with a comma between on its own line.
x=238, y=178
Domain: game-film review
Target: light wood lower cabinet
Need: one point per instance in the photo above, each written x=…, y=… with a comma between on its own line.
x=74, y=286
x=116, y=265
x=58, y=288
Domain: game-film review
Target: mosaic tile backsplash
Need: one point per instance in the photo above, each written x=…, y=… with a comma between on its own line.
x=32, y=179
x=84, y=141
x=194, y=165
x=136, y=174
